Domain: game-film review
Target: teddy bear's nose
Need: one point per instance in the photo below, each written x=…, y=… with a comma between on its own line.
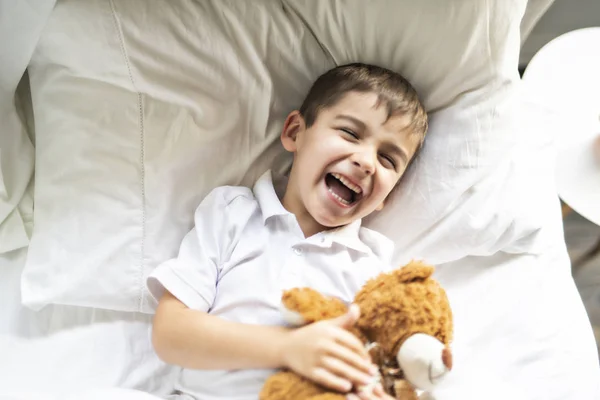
x=447, y=358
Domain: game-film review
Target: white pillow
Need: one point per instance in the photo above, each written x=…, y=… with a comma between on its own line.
x=141, y=110
x=22, y=22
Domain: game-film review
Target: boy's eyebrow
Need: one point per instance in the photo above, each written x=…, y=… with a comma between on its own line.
x=352, y=119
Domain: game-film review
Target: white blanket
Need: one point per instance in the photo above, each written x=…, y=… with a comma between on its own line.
x=63, y=351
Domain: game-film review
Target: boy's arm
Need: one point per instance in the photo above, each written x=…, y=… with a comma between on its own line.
x=324, y=352
x=196, y=340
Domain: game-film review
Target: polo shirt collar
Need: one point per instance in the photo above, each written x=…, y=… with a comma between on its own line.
x=267, y=196
x=348, y=236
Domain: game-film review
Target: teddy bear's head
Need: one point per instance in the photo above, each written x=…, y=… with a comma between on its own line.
x=406, y=301
x=407, y=315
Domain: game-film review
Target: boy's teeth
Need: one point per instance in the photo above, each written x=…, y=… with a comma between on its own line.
x=349, y=185
x=343, y=201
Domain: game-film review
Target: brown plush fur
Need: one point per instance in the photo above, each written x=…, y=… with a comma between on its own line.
x=312, y=306
x=393, y=307
x=406, y=301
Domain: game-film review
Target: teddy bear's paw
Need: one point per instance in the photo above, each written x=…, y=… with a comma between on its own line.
x=329, y=396
x=291, y=317
x=425, y=360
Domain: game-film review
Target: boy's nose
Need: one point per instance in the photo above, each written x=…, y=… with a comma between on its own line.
x=365, y=161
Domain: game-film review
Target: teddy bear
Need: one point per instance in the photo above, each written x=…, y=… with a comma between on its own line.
x=405, y=322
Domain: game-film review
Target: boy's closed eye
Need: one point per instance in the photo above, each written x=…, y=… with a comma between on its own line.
x=388, y=161
x=350, y=132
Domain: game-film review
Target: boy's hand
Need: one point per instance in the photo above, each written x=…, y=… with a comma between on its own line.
x=328, y=354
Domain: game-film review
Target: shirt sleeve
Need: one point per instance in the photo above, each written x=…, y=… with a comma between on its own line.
x=192, y=276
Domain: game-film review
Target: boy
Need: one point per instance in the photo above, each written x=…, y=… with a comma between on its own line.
x=218, y=315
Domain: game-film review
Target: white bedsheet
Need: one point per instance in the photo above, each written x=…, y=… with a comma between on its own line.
x=61, y=351
x=68, y=352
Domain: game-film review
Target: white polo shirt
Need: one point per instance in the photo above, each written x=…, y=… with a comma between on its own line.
x=243, y=251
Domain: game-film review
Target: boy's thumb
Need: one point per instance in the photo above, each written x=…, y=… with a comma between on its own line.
x=350, y=318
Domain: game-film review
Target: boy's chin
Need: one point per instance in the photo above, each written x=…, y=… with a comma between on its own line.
x=333, y=221
x=329, y=221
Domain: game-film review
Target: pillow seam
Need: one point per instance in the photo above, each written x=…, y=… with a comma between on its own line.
x=142, y=155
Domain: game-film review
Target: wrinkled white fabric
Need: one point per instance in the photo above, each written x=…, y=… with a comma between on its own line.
x=159, y=105
x=21, y=23
x=105, y=68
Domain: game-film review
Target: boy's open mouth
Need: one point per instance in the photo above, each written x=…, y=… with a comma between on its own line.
x=343, y=190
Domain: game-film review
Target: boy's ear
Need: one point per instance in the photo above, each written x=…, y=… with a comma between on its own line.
x=380, y=207
x=293, y=125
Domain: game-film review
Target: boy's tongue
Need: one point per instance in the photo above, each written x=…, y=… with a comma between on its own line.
x=339, y=188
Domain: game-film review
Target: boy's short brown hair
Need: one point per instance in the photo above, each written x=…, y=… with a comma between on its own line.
x=392, y=89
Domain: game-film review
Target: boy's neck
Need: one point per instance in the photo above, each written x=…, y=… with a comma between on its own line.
x=307, y=223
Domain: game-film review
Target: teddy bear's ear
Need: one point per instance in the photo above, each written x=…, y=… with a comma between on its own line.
x=415, y=270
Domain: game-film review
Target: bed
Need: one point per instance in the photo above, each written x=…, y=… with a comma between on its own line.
x=119, y=116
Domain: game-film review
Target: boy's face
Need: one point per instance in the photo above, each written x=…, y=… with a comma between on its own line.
x=347, y=162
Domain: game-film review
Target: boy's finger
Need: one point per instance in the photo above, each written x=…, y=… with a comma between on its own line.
x=344, y=370
x=348, y=319
x=354, y=312
x=381, y=394
x=347, y=339
x=354, y=360
x=332, y=381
